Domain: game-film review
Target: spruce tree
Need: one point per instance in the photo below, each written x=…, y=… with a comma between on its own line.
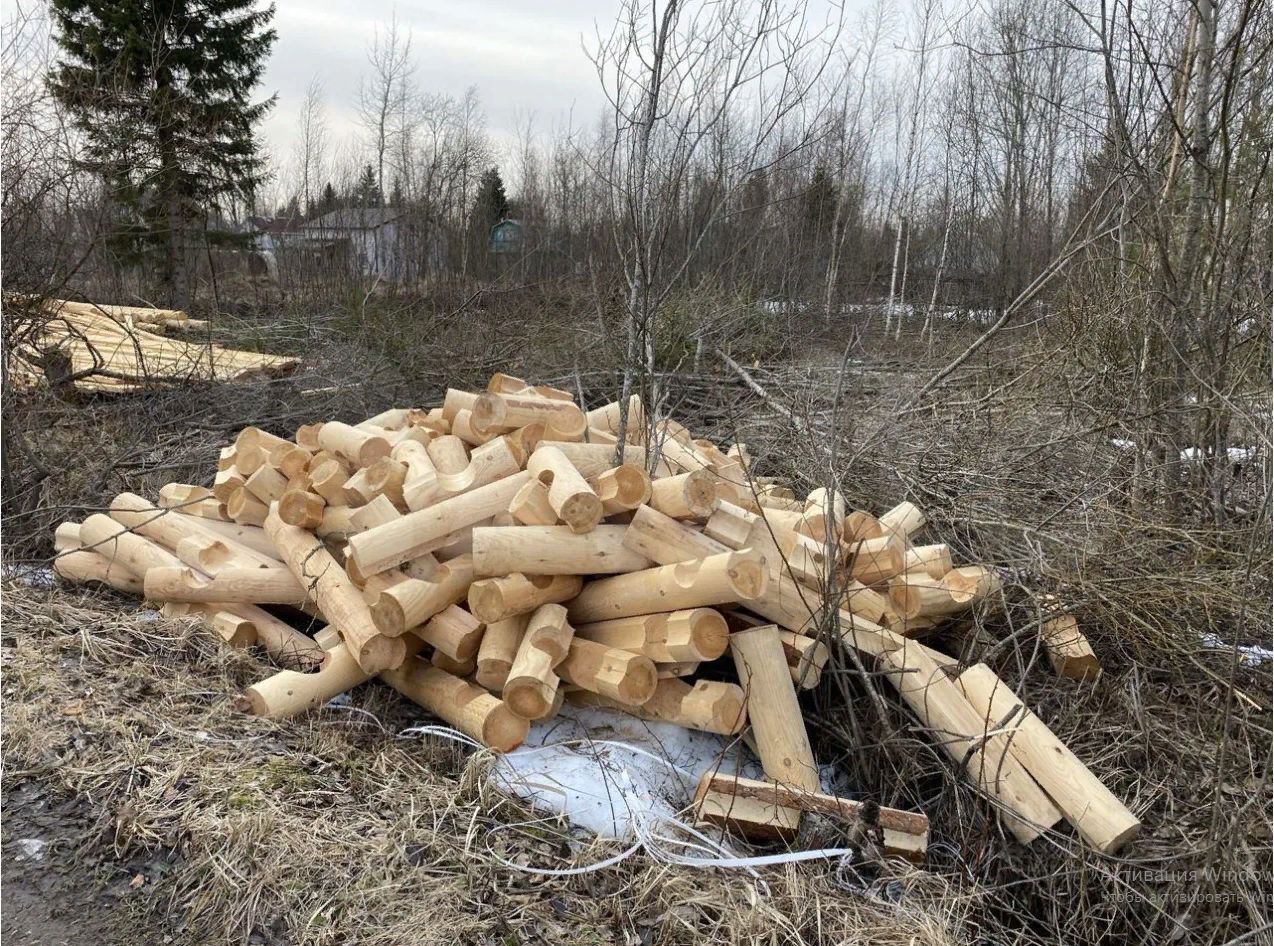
x=162, y=91
x=368, y=193
x=491, y=204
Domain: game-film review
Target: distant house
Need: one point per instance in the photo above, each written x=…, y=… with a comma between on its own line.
x=268, y=233
x=375, y=237
x=507, y=236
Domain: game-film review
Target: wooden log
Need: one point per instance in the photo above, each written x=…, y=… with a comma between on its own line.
x=621, y=489
x=758, y=821
x=449, y=454
x=553, y=550
x=676, y=669
x=335, y=595
x=357, y=490
x=706, y=705
x=806, y=658
x=377, y=512
x=606, y=418
x=859, y=525
x=977, y=746
x=453, y=631
x=824, y=516
x=917, y=595
x=420, y=484
x=970, y=584
x=252, y=538
x=416, y=533
x=267, y=484
x=498, y=649
x=213, y=556
x=79, y=565
x=105, y=536
x=590, y=459
x=905, y=518
x=225, y=458
x=501, y=383
x=777, y=723
x=532, y=683
x=359, y=448
x=256, y=437
x=491, y=461
x=307, y=437
x=242, y=585
x=494, y=599
x=457, y=668
x=233, y=629
x=876, y=560
x=464, y=705
x=226, y=482
x=569, y=493
x=338, y=523
x=328, y=480
x=719, y=579
x=905, y=833
x=931, y=560
x=245, y=508
x=393, y=418
x=530, y=506
x=302, y=509
x=66, y=537
x=385, y=477
x=561, y=419
x=290, y=460
x=685, y=496
x=1069, y=651
x=456, y=400
x=1100, y=818
x=290, y=692
x=168, y=529
x=619, y=674
x=694, y=634
x=173, y=495
x=411, y=602
x=666, y=541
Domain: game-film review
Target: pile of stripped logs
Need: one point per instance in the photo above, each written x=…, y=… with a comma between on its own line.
x=500, y=554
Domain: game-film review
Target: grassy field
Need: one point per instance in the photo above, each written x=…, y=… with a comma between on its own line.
x=332, y=829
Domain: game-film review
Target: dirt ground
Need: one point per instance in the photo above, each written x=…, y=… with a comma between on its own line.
x=59, y=887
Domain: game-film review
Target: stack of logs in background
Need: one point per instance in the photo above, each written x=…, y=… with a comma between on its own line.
x=492, y=558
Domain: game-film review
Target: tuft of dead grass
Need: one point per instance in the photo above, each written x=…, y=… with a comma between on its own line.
x=330, y=828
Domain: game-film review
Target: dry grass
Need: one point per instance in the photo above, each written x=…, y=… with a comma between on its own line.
x=329, y=829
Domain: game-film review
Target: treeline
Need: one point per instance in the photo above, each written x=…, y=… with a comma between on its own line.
x=938, y=155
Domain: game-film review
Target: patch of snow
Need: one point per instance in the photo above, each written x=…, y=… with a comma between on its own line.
x=1120, y=444
x=1249, y=654
x=36, y=576
x=30, y=849
x=595, y=765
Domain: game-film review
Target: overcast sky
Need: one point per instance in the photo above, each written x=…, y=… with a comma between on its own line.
x=524, y=56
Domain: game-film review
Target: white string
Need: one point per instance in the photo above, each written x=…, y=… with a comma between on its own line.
x=644, y=822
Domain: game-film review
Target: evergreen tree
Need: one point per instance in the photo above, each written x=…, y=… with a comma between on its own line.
x=491, y=204
x=325, y=203
x=162, y=91
x=368, y=192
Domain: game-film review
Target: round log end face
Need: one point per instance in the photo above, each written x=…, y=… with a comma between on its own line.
x=568, y=423
x=906, y=601
x=526, y=698
x=381, y=653
x=859, y=525
x=302, y=509
x=388, y=615
x=503, y=730
x=373, y=448
x=729, y=708
x=250, y=701
x=487, y=411
x=709, y=633
x=486, y=602
x=582, y=512
x=632, y=486
x=700, y=493
x=639, y=682
x=748, y=578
